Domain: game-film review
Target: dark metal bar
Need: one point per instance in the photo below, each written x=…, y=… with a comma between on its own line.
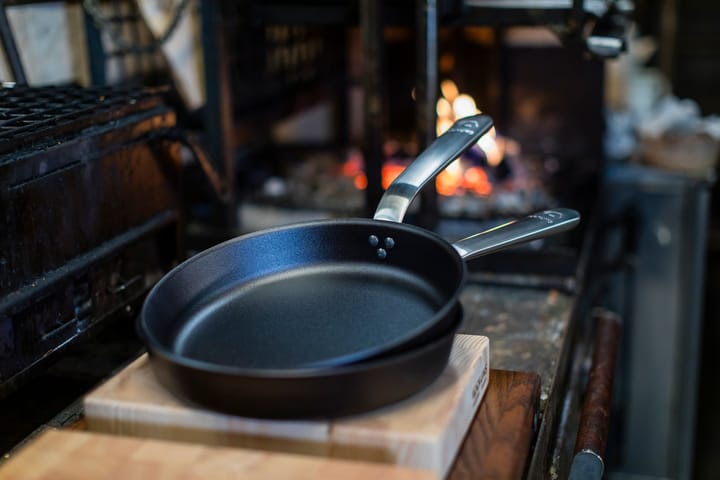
x=82, y=262
x=594, y=419
x=426, y=88
x=11, y=51
x=576, y=15
x=695, y=222
x=96, y=51
x=340, y=96
x=219, y=116
x=120, y=61
x=137, y=40
x=374, y=116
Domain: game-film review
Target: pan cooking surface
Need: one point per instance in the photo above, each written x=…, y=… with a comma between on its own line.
x=293, y=318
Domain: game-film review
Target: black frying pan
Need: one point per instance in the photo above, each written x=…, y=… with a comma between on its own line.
x=239, y=381
x=313, y=392
x=316, y=294
x=331, y=292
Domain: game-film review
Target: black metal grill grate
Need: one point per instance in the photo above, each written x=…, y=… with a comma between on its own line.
x=34, y=115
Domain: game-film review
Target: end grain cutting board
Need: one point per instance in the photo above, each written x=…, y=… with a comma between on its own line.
x=65, y=455
x=422, y=432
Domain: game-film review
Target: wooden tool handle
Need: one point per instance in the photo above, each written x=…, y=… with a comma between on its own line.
x=594, y=419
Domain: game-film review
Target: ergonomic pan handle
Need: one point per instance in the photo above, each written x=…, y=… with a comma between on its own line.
x=537, y=225
x=447, y=147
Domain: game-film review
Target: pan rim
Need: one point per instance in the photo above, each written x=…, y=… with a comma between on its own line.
x=146, y=333
x=294, y=374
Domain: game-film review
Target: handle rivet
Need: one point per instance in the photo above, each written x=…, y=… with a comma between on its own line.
x=374, y=240
x=381, y=253
x=389, y=243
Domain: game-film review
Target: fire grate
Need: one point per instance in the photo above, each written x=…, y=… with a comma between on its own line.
x=89, y=215
x=28, y=114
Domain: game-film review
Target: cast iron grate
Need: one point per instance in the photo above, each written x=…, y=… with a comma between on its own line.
x=37, y=115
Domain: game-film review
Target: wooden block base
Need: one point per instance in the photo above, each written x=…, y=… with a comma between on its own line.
x=90, y=456
x=422, y=432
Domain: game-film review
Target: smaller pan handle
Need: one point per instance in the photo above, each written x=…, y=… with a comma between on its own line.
x=537, y=225
x=447, y=147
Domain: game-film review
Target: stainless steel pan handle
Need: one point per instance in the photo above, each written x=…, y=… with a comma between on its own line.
x=462, y=135
x=537, y=225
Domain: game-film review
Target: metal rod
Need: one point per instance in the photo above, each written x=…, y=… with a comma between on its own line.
x=96, y=51
x=11, y=51
x=219, y=115
x=137, y=40
x=591, y=441
x=374, y=116
x=119, y=60
x=426, y=88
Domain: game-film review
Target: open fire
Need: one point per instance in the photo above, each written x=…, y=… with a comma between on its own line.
x=467, y=174
x=490, y=179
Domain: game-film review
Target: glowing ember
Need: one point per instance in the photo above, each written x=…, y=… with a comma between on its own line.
x=353, y=168
x=476, y=181
x=353, y=165
x=456, y=179
x=390, y=171
x=449, y=180
x=360, y=181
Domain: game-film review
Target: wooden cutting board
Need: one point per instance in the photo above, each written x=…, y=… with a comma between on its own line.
x=423, y=432
x=64, y=455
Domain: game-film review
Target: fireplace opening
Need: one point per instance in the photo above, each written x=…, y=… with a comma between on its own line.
x=309, y=160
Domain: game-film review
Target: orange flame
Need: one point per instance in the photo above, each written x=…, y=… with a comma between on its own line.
x=453, y=105
x=352, y=169
x=449, y=181
x=360, y=181
x=477, y=181
x=390, y=171
x=456, y=178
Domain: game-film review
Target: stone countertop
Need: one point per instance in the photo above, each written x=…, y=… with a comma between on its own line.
x=527, y=326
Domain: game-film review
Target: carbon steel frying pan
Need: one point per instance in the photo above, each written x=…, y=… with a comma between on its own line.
x=312, y=392
x=326, y=293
